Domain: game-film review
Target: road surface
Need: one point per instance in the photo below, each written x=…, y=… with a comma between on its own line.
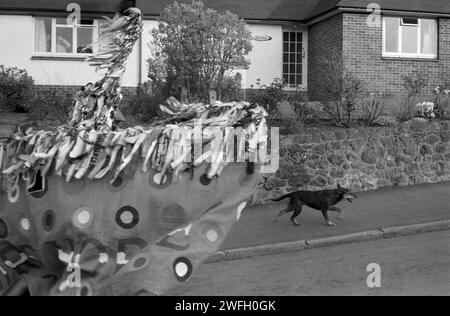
x=414, y=265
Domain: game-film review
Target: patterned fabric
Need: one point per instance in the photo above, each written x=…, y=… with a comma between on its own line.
x=137, y=236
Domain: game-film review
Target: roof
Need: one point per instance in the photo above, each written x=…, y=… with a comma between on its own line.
x=283, y=10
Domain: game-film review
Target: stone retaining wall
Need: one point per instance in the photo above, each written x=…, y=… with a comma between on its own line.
x=361, y=158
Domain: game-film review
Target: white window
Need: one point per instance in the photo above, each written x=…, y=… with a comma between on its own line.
x=410, y=37
x=294, y=68
x=55, y=37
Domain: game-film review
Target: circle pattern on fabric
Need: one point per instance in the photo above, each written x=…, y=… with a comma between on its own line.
x=174, y=215
x=83, y=217
x=159, y=181
x=25, y=224
x=117, y=185
x=3, y=229
x=207, y=184
x=139, y=262
x=212, y=234
x=48, y=220
x=14, y=195
x=75, y=186
x=183, y=269
x=127, y=217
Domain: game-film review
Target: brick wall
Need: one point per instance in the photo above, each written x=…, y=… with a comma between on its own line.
x=325, y=39
x=70, y=91
x=363, y=47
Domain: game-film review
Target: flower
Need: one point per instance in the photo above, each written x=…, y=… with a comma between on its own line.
x=427, y=110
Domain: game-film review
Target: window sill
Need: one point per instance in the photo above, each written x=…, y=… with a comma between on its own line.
x=65, y=57
x=299, y=89
x=422, y=59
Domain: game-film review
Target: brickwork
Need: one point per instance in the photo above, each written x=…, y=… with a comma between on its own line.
x=127, y=92
x=361, y=49
x=325, y=39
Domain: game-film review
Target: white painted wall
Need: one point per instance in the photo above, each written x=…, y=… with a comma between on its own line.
x=17, y=48
x=266, y=58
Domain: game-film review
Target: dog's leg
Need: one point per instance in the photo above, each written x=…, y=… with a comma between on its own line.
x=327, y=219
x=297, y=210
x=337, y=210
x=285, y=211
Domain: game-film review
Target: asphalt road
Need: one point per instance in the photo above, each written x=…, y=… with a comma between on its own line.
x=414, y=265
x=383, y=208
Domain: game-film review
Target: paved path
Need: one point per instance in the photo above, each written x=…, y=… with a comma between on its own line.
x=373, y=210
x=414, y=265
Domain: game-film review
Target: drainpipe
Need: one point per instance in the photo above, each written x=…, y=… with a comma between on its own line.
x=140, y=56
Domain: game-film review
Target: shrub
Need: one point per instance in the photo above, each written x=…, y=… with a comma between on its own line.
x=269, y=97
x=16, y=89
x=231, y=89
x=407, y=109
x=414, y=85
x=373, y=108
x=51, y=109
x=348, y=92
x=299, y=103
x=386, y=120
x=342, y=89
x=426, y=110
x=143, y=107
x=442, y=101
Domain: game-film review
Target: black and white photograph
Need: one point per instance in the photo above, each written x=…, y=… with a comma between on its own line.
x=225, y=155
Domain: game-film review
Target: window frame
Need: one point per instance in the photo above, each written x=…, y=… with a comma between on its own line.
x=304, y=31
x=400, y=53
x=74, y=54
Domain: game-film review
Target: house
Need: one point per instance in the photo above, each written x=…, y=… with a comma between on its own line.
x=377, y=42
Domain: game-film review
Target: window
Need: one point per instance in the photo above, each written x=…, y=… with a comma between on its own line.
x=410, y=37
x=293, y=58
x=55, y=36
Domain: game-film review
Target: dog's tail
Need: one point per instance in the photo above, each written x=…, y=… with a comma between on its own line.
x=284, y=197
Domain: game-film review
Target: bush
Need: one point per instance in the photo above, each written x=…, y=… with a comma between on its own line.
x=341, y=89
x=51, y=109
x=231, y=90
x=414, y=85
x=269, y=97
x=143, y=107
x=347, y=92
x=16, y=89
x=442, y=101
x=299, y=103
x=386, y=120
x=373, y=108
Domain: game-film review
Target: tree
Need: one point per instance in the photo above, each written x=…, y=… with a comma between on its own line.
x=197, y=48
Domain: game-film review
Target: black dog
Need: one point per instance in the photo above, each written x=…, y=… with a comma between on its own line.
x=323, y=201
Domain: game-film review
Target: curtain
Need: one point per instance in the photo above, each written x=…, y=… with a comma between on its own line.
x=42, y=37
x=429, y=37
